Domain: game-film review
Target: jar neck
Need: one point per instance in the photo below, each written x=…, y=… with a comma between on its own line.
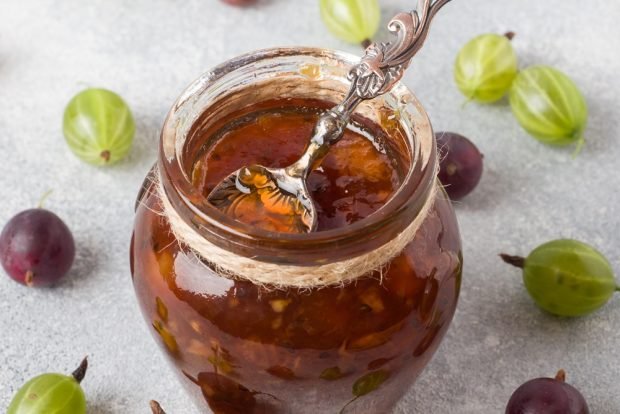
x=279, y=72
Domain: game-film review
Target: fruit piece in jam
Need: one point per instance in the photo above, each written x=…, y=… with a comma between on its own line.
x=244, y=349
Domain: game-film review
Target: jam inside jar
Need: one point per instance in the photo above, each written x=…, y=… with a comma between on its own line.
x=239, y=347
x=356, y=178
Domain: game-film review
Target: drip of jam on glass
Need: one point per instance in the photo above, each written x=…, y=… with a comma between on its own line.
x=354, y=180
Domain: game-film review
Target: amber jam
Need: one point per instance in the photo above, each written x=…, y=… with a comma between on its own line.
x=244, y=349
x=354, y=180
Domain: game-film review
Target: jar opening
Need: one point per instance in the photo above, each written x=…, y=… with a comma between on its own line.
x=291, y=73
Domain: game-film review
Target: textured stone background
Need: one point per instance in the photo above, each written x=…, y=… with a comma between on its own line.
x=149, y=50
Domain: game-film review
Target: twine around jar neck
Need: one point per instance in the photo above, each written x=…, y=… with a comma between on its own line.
x=283, y=276
x=283, y=260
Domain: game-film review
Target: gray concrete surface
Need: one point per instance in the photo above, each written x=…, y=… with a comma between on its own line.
x=149, y=50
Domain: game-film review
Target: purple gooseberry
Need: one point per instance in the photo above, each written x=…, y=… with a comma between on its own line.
x=547, y=396
x=36, y=247
x=460, y=165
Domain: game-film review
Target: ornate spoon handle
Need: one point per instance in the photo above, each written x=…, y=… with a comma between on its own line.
x=385, y=63
x=382, y=66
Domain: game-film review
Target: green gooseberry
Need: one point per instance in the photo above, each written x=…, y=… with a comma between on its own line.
x=485, y=67
x=52, y=394
x=566, y=277
x=355, y=21
x=549, y=106
x=98, y=126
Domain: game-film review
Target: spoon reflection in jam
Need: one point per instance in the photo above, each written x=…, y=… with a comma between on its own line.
x=277, y=199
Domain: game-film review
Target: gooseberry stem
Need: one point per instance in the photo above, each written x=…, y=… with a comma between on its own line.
x=156, y=408
x=43, y=198
x=28, y=279
x=510, y=35
x=366, y=43
x=516, y=261
x=105, y=155
x=579, y=146
x=347, y=404
x=80, y=372
x=561, y=376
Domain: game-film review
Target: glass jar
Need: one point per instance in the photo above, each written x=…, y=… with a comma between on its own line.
x=242, y=348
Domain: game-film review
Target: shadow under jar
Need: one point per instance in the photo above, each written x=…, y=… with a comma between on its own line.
x=243, y=348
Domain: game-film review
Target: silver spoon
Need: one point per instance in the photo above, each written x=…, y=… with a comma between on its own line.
x=382, y=66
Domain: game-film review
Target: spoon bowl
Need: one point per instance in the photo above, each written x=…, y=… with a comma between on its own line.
x=278, y=198
x=270, y=198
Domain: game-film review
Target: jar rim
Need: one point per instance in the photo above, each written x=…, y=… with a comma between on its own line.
x=250, y=241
